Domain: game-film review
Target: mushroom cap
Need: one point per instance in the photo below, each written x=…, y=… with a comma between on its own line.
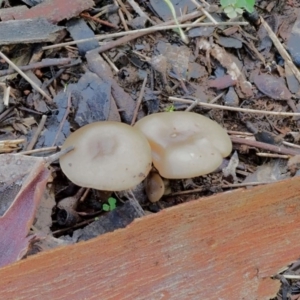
x=109, y=156
x=185, y=144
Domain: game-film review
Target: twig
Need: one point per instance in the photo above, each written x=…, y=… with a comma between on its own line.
x=6, y=96
x=281, y=49
x=237, y=185
x=125, y=10
x=205, y=12
x=272, y=155
x=41, y=150
x=42, y=64
x=245, y=110
x=291, y=144
x=17, y=69
x=265, y=146
x=121, y=15
x=139, y=101
x=97, y=20
x=64, y=119
x=145, y=31
x=37, y=133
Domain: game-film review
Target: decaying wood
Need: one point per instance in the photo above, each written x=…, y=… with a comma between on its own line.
x=53, y=10
x=28, y=31
x=223, y=247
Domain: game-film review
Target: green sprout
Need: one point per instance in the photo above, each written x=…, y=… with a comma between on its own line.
x=172, y=9
x=170, y=108
x=111, y=204
x=233, y=8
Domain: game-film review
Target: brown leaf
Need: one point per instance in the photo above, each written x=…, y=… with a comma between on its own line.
x=272, y=87
x=22, y=182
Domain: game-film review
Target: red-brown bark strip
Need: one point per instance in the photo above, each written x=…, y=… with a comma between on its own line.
x=223, y=247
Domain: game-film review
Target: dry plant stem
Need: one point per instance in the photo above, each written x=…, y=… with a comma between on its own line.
x=37, y=133
x=139, y=101
x=139, y=11
x=121, y=15
x=141, y=32
x=64, y=119
x=6, y=96
x=42, y=64
x=5, y=113
x=112, y=65
x=239, y=133
x=17, y=69
x=237, y=185
x=271, y=155
x=206, y=13
x=245, y=110
x=86, y=15
x=268, y=147
x=41, y=150
x=217, y=98
x=52, y=158
x=125, y=10
x=291, y=144
x=199, y=190
x=281, y=49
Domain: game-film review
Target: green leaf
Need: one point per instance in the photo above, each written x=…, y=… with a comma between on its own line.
x=106, y=207
x=239, y=11
x=232, y=14
x=225, y=3
x=112, y=203
x=247, y=4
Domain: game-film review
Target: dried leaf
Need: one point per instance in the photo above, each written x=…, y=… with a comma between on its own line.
x=272, y=87
x=22, y=182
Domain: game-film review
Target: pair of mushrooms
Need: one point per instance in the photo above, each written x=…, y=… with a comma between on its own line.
x=114, y=156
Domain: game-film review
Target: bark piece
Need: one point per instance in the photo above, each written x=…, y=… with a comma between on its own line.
x=80, y=30
x=28, y=31
x=54, y=10
x=7, y=14
x=222, y=247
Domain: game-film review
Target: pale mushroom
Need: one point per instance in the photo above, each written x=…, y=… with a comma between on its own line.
x=154, y=186
x=109, y=156
x=184, y=144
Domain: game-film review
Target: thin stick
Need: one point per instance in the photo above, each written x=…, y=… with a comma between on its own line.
x=145, y=30
x=291, y=144
x=237, y=185
x=6, y=96
x=139, y=101
x=37, y=133
x=245, y=110
x=17, y=69
x=64, y=119
x=205, y=12
x=272, y=155
x=265, y=146
x=281, y=49
x=42, y=64
x=41, y=150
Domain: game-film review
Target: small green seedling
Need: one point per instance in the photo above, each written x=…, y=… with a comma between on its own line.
x=111, y=204
x=233, y=8
x=172, y=9
x=170, y=108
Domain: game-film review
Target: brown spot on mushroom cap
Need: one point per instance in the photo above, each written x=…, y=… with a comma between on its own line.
x=154, y=187
x=185, y=144
x=107, y=156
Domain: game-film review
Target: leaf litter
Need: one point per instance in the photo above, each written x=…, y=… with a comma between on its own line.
x=228, y=64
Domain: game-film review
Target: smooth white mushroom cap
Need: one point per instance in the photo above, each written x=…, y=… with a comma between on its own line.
x=185, y=144
x=109, y=156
